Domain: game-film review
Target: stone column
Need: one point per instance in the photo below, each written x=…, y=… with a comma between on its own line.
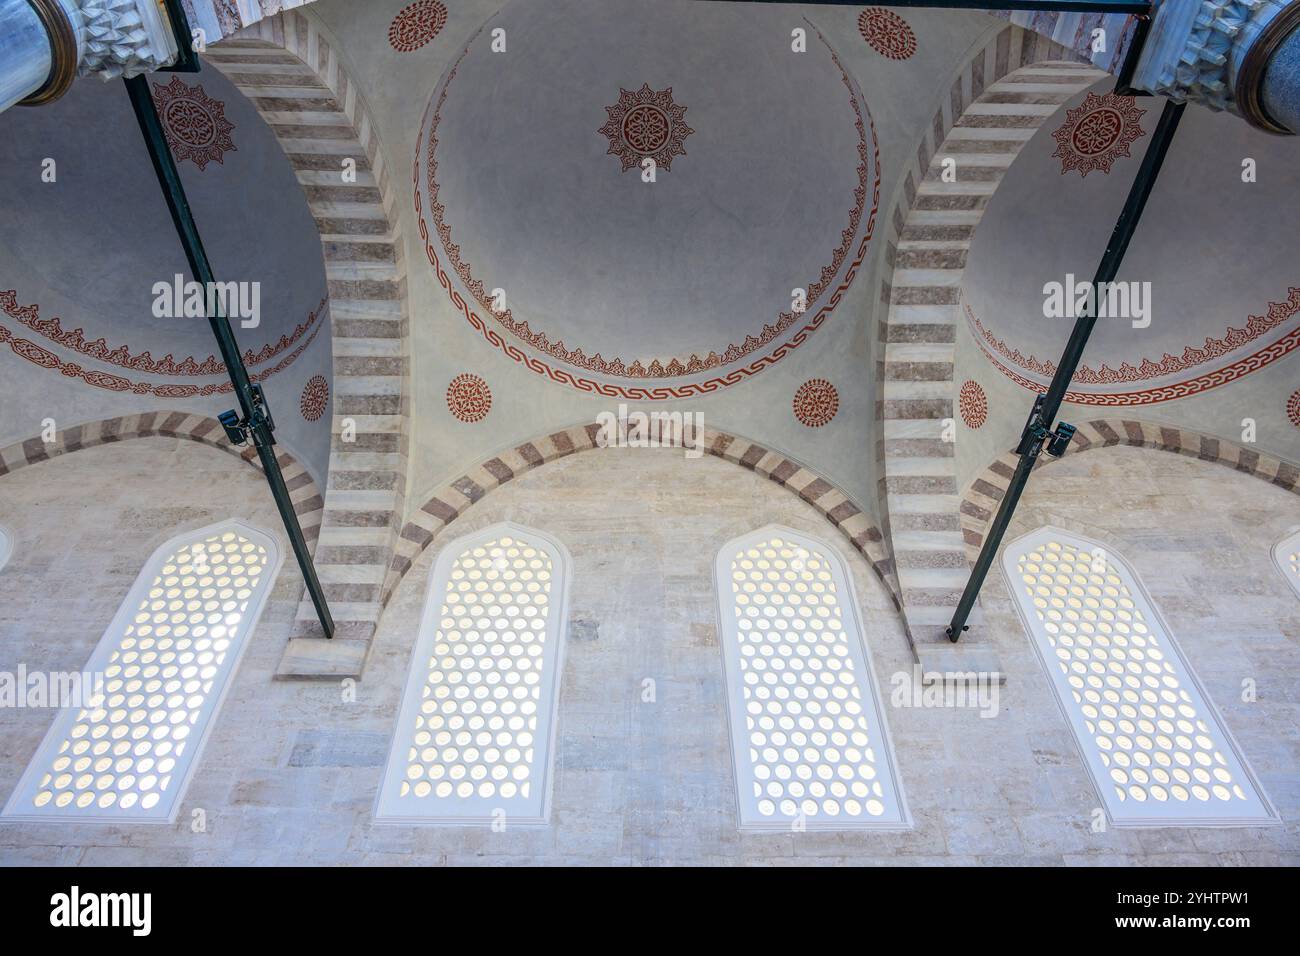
x=1237, y=55
x=1268, y=81
x=46, y=44
x=39, y=50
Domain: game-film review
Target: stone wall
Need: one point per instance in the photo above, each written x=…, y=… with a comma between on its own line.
x=290, y=771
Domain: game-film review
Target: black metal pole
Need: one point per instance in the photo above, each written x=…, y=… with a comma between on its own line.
x=1046, y=6
x=187, y=61
x=1124, y=79
x=256, y=419
x=1043, y=416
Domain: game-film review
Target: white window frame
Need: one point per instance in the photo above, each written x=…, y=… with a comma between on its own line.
x=6, y=546
x=897, y=816
x=1062, y=693
x=19, y=809
x=1281, y=555
x=390, y=806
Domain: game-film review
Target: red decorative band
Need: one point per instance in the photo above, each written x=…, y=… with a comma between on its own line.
x=75, y=339
x=1253, y=363
x=115, y=383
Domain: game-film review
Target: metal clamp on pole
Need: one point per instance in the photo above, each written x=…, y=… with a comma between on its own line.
x=1124, y=81
x=239, y=429
x=1036, y=431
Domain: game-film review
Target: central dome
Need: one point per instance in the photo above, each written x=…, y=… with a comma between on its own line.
x=652, y=218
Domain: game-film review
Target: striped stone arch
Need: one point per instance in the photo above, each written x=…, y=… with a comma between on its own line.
x=291, y=73
x=981, y=500
x=307, y=502
x=449, y=502
x=224, y=18
x=994, y=107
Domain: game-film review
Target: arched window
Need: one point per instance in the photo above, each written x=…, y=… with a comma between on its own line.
x=474, y=737
x=1286, y=554
x=132, y=724
x=6, y=548
x=809, y=742
x=1158, y=752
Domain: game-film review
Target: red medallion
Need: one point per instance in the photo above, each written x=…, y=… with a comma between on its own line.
x=469, y=398
x=887, y=33
x=646, y=123
x=972, y=404
x=315, y=396
x=195, y=124
x=416, y=25
x=816, y=402
x=1097, y=133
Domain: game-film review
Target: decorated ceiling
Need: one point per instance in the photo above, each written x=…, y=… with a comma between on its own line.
x=678, y=206
x=687, y=206
x=1210, y=293
x=641, y=218
x=92, y=322
x=1201, y=329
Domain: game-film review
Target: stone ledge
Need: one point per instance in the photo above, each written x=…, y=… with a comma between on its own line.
x=935, y=653
x=315, y=658
x=952, y=660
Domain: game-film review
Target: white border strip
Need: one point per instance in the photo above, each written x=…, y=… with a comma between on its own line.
x=534, y=810
x=1063, y=693
x=165, y=811
x=1282, y=552
x=896, y=816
